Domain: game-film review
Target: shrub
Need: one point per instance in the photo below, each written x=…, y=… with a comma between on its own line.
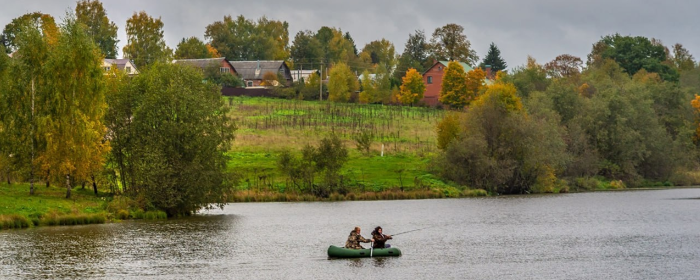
x=447, y=130
x=585, y=183
x=122, y=214
x=364, y=140
x=155, y=215
x=476, y=192
x=617, y=184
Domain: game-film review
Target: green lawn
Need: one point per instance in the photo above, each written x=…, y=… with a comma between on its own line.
x=15, y=199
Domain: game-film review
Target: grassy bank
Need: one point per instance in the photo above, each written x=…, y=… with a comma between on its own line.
x=49, y=207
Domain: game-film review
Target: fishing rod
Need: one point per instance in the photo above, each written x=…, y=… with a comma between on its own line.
x=409, y=231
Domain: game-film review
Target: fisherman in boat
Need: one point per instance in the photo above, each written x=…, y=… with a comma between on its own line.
x=380, y=239
x=355, y=238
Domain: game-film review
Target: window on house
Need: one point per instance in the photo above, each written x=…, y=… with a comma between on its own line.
x=128, y=69
x=439, y=67
x=106, y=69
x=430, y=79
x=224, y=70
x=250, y=83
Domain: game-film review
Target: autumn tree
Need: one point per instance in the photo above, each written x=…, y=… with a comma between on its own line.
x=696, y=110
x=635, y=53
x=382, y=84
x=342, y=83
x=269, y=79
x=415, y=55
x=311, y=88
x=450, y=43
x=145, y=42
x=245, y=39
x=453, y=91
x=306, y=50
x=564, y=65
x=379, y=51
x=368, y=93
x=682, y=59
x=73, y=129
x=192, y=48
x=476, y=84
x=43, y=22
x=412, y=88
x=493, y=59
x=447, y=130
x=277, y=32
x=340, y=49
x=500, y=148
x=5, y=159
x=530, y=77
x=32, y=36
x=92, y=14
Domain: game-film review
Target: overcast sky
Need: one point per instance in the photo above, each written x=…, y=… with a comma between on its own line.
x=541, y=28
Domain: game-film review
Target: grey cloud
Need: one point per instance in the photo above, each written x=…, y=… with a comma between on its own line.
x=541, y=28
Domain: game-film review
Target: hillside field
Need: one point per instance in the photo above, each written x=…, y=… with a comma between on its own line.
x=268, y=126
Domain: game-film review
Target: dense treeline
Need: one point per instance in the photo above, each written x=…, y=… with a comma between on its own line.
x=627, y=115
x=160, y=137
x=624, y=117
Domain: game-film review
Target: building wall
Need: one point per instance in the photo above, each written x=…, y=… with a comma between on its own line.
x=253, y=83
x=225, y=64
x=132, y=69
x=432, y=91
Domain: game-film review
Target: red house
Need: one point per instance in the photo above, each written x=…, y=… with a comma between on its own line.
x=432, y=78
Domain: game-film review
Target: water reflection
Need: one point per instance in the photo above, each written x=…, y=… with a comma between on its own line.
x=379, y=262
x=630, y=235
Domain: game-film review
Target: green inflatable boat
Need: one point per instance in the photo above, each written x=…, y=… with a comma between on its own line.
x=341, y=252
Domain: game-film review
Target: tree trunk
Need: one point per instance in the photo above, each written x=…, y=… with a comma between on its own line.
x=83, y=185
x=48, y=184
x=94, y=184
x=68, y=188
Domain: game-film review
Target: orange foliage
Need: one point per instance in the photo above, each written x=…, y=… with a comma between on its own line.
x=696, y=108
x=50, y=30
x=213, y=53
x=475, y=83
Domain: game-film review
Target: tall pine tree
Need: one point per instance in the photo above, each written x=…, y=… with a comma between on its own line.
x=493, y=58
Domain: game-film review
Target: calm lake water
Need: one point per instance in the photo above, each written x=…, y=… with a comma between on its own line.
x=604, y=235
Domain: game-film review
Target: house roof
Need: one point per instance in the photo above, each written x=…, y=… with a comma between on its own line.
x=120, y=63
x=466, y=67
x=254, y=70
x=201, y=62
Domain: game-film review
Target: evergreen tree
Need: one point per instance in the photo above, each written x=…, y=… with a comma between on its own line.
x=493, y=58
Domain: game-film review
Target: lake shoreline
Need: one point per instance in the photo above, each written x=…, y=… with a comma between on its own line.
x=48, y=207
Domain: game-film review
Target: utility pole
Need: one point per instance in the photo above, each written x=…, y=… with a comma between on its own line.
x=320, y=84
